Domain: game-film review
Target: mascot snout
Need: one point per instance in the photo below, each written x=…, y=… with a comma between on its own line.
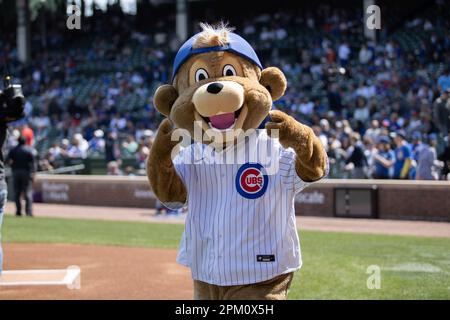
x=219, y=101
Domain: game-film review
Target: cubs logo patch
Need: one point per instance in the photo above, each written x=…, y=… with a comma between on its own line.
x=251, y=180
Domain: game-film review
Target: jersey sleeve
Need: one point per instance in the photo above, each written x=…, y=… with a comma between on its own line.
x=289, y=176
x=180, y=167
x=182, y=163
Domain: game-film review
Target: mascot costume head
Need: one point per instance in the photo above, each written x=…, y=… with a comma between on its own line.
x=219, y=83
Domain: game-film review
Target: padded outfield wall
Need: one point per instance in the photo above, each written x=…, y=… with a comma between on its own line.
x=383, y=199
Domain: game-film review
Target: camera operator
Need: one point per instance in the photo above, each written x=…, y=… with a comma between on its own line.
x=12, y=104
x=21, y=159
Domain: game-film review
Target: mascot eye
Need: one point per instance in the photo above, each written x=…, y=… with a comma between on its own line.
x=228, y=70
x=200, y=75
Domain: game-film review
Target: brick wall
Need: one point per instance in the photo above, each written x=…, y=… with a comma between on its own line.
x=394, y=199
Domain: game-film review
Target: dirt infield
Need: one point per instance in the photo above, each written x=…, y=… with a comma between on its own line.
x=372, y=226
x=138, y=273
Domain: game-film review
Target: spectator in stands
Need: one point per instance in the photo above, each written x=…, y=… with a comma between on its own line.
x=361, y=112
x=365, y=55
x=45, y=164
x=444, y=80
x=441, y=111
x=113, y=169
x=97, y=143
x=12, y=139
x=384, y=159
x=428, y=165
x=369, y=152
x=374, y=131
x=141, y=155
x=79, y=147
x=64, y=148
x=129, y=171
x=356, y=162
x=445, y=158
x=22, y=162
x=344, y=54
x=402, y=156
x=416, y=147
x=130, y=146
x=28, y=134
x=54, y=110
x=75, y=111
x=111, y=147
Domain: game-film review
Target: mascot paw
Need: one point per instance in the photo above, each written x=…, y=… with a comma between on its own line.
x=163, y=139
x=280, y=127
x=292, y=134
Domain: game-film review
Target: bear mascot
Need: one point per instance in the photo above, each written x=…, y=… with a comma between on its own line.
x=238, y=168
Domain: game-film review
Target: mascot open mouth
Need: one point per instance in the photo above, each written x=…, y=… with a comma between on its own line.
x=223, y=121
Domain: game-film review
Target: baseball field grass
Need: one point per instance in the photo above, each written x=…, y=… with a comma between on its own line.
x=335, y=265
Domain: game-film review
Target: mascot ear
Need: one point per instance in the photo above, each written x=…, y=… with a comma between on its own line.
x=275, y=82
x=164, y=98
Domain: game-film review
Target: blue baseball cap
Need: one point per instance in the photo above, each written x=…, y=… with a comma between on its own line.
x=416, y=135
x=237, y=45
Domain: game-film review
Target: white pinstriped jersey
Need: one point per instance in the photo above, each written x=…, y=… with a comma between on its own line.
x=240, y=227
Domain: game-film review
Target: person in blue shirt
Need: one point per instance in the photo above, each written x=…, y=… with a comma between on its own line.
x=384, y=159
x=402, y=156
x=416, y=146
x=444, y=80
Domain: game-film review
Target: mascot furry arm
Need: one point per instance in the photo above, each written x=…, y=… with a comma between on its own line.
x=311, y=160
x=164, y=180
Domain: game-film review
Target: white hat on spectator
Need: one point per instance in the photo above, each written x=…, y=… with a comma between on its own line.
x=148, y=133
x=324, y=124
x=16, y=133
x=99, y=133
x=78, y=136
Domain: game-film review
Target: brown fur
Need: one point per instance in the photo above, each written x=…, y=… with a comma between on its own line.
x=311, y=161
x=273, y=289
x=212, y=36
x=165, y=182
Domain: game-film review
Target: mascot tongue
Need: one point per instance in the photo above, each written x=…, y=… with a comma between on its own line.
x=222, y=121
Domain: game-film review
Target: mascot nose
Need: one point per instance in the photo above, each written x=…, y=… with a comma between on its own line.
x=214, y=87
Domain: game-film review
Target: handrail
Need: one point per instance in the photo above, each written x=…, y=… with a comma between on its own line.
x=77, y=167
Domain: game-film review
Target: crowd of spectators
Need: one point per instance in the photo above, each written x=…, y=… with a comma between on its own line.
x=380, y=108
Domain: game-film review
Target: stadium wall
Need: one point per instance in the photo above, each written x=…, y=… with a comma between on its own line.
x=392, y=199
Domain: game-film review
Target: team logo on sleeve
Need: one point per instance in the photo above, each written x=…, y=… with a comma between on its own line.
x=251, y=180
